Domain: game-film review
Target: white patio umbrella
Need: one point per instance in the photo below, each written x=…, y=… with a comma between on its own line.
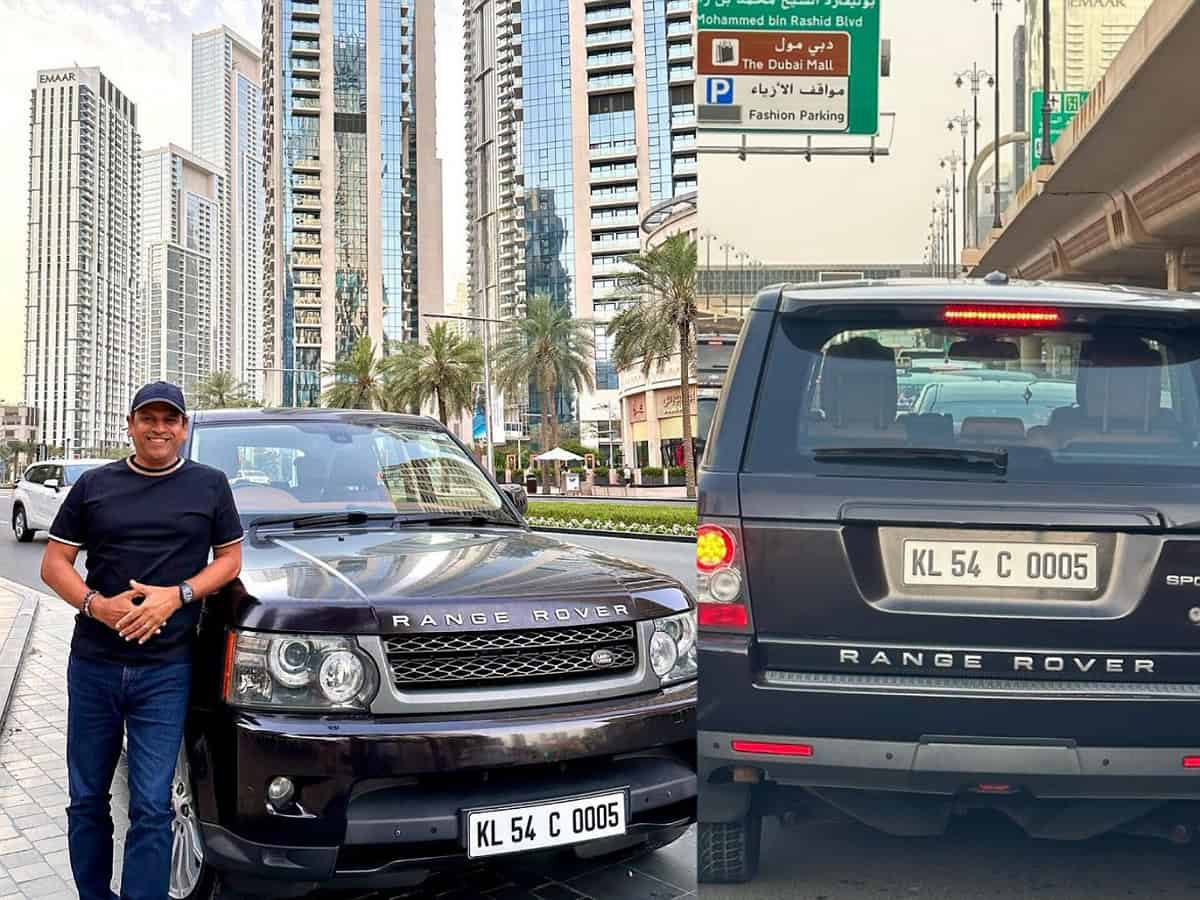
x=558, y=454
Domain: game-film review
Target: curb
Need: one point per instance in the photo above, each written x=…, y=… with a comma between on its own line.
x=14, y=645
x=629, y=535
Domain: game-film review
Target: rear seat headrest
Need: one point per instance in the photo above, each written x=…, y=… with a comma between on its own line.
x=1120, y=381
x=858, y=383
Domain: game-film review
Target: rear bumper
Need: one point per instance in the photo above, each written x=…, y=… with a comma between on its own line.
x=954, y=766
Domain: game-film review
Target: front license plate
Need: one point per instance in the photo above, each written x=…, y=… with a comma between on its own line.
x=1000, y=564
x=536, y=826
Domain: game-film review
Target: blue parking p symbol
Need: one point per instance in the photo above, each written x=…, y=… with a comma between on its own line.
x=719, y=91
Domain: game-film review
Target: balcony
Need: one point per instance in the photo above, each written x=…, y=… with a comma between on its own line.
x=306, y=10
x=598, y=62
x=610, y=36
x=676, y=8
x=685, y=74
x=306, y=222
x=307, y=165
x=685, y=165
x=681, y=142
x=622, y=149
x=615, y=81
x=311, y=32
x=306, y=298
x=307, y=184
x=624, y=222
x=622, y=13
x=309, y=261
x=306, y=87
x=617, y=175
x=602, y=199
x=680, y=51
x=622, y=245
x=679, y=29
x=306, y=106
x=308, y=337
x=303, y=48
x=306, y=69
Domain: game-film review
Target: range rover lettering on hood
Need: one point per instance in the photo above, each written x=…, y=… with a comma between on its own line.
x=534, y=616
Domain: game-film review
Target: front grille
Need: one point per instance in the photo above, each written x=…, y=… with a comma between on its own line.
x=485, y=658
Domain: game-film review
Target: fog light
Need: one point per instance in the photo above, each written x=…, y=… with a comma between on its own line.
x=281, y=790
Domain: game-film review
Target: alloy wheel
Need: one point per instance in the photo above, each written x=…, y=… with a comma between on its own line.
x=187, y=843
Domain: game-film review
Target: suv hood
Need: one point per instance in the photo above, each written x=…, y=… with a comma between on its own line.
x=441, y=580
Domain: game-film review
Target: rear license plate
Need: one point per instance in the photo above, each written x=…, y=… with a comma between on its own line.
x=1001, y=564
x=553, y=823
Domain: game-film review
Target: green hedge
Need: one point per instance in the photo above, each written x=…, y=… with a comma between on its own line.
x=677, y=471
x=627, y=514
x=601, y=472
x=652, y=472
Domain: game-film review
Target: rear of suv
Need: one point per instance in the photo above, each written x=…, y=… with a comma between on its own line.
x=907, y=615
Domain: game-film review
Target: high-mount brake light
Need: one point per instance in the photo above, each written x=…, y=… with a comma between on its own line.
x=714, y=548
x=1191, y=762
x=1012, y=316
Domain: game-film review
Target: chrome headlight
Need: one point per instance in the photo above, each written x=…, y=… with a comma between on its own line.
x=673, y=648
x=297, y=672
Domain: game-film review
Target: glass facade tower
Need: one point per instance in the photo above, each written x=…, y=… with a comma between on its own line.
x=580, y=118
x=349, y=113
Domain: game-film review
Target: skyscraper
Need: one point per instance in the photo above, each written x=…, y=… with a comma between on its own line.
x=227, y=131
x=353, y=226
x=580, y=118
x=182, y=222
x=83, y=263
x=1085, y=37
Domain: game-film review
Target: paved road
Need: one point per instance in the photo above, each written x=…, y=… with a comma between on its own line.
x=832, y=858
x=33, y=859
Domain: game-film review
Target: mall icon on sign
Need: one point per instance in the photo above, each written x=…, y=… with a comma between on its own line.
x=725, y=52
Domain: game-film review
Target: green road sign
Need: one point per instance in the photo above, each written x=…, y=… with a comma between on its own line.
x=1063, y=107
x=799, y=66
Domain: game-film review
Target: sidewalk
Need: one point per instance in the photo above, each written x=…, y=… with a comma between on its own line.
x=33, y=773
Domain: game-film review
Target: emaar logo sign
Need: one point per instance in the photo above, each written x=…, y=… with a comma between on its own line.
x=719, y=91
x=56, y=77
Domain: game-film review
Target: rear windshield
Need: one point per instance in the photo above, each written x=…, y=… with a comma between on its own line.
x=1101, y=399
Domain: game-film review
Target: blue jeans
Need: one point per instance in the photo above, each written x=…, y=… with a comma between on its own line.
x=150, y=704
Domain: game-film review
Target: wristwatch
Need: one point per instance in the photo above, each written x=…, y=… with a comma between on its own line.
x=185, y=594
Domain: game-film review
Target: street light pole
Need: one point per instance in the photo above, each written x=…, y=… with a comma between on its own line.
x=487, y=380
x=963, y=121
x=952, y=160
x=727, y=247
x=708, y=239
x=1047, y=157
x=997, y=222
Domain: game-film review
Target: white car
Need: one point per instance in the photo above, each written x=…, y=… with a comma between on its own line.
x=41, y=491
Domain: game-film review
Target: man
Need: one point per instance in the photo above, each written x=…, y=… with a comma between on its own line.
x=147, y=523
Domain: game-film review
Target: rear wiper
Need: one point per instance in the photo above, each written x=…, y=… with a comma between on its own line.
x=997, y=460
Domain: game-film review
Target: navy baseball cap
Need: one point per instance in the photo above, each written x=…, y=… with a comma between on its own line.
x=158, y=392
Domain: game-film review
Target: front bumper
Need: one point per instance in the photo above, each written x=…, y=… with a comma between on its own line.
x=380, y=799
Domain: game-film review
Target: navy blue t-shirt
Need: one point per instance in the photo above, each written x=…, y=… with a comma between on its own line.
x=154, y=527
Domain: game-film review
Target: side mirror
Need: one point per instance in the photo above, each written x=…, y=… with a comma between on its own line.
x=516, y=493
x=51, y=483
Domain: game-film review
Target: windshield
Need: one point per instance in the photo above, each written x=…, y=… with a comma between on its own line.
x=298, y=468
x=73, y=471
x=1079, y=404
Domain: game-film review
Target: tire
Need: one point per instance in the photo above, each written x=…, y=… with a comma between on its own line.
x=191, y=877
x=20, y=523
x=727, y=852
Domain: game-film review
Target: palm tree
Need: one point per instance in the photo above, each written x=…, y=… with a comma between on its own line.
x=359, y=379
x=661, y=323
x=220, y=390
x=549, y=348
x=445, y=368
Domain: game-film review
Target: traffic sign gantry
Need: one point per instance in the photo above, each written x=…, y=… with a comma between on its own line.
x=799, y=66
x=1064, y=105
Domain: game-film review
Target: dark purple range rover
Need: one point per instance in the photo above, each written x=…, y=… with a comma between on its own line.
x=405, y=678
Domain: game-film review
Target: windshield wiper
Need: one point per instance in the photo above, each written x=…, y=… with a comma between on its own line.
x=996, y=460
x=475, y=518
x=323, y=520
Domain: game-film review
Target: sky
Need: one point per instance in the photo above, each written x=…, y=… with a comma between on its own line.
x=839, y=210
x=144, y=47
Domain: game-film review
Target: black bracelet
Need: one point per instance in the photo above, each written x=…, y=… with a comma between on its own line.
x=86, y=607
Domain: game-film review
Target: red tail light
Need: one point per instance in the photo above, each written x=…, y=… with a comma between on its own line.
x=1012, y=316
x=1191, y=762
x=721, y=600
x=773, y=748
